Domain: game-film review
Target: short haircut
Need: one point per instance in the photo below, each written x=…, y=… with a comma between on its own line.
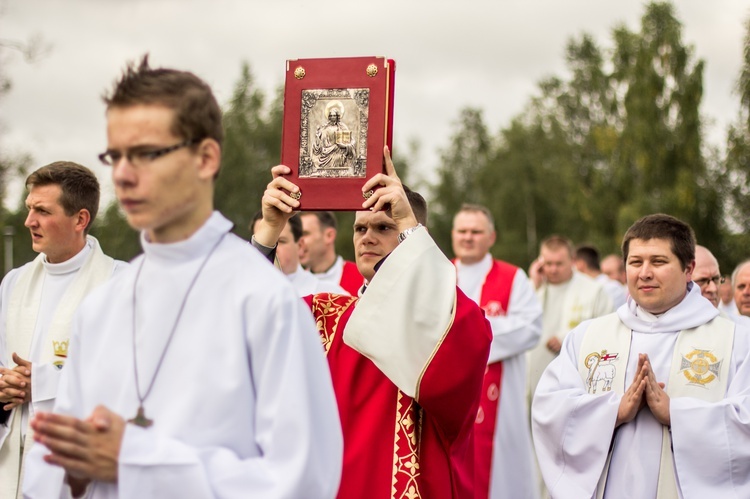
x=477, y=208
x=78, y=185
x=660, y=226
x=737, y=271
x=295, y=224
x=418, y=205
x=556, y=242
x=197, y=115
x=589, y=255
x=326, y=218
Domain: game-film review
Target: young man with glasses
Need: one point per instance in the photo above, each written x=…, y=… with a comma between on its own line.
x=197, y=372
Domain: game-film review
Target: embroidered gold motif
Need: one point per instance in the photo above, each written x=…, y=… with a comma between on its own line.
x=406, y=471
x=700, y=367
x=327, y=310
x=60, y=348
x=600, y=369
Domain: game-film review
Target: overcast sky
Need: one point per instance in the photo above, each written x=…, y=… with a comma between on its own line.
x=449, y=54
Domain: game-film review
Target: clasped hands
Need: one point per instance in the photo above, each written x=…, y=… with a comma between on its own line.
x=87, y=449
x=15, y=383
x=644, y=391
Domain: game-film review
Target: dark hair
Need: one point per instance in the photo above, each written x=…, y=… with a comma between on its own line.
x=326, y=218
x=78, y=185
x=197, y=115
x=556, y=242
x=418, y=205
x=589, y=255
x=295, y=224
x=660, y=226
x=478, y=208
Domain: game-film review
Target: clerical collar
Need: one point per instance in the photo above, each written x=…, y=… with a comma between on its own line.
x=71, y=264
x=334, y=269
x=646, y=315
x=195, y=246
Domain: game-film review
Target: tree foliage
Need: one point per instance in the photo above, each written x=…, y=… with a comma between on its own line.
x=617, y=138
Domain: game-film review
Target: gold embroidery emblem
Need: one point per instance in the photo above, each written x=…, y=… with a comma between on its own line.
x=700, y=367
x=60, y=348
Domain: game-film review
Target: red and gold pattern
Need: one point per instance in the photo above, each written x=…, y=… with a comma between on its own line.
x=327, y=309
x=406, y=471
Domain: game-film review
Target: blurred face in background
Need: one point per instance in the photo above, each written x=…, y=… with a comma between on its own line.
x=472, y=236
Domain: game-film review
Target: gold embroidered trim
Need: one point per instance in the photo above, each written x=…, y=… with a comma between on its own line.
x=406, y=470
x=327, y=310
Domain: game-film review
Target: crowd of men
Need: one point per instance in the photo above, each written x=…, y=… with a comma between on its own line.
x=210, y=366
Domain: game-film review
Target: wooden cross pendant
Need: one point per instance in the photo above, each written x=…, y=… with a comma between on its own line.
x=140, y=419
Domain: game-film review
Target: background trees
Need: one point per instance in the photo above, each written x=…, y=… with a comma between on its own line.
x=618, y=135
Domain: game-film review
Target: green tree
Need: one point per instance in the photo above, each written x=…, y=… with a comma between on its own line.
x=737, y=165
x=616, y=139
x=252, y=145
x=117, y=238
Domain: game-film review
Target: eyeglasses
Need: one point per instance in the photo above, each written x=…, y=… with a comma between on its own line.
x=142, y=156
x=717, y=279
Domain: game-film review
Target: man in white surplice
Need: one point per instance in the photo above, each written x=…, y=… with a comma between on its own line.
x=651, y=401
x=515, y=315
x=288, y=249
x=37, y=302
x=197, y=371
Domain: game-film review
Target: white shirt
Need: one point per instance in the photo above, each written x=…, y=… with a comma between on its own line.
x=306, y=283
x=243, y=404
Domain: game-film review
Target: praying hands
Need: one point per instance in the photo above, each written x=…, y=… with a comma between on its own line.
x=644, y=391
x=86, y=449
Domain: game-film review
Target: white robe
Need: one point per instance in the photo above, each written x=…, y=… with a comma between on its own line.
x=44, y=377
x=306, y=283
x=243, y=405
x=513, y=471
x=565, y=306
x=333, y=274
x=711, y=441
x=616, y=291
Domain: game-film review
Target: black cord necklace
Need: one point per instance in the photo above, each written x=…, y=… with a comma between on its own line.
x=140, y=418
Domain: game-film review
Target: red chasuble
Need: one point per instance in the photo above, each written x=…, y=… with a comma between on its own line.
x=396, y=446
x=351, y=279
x=494, y=301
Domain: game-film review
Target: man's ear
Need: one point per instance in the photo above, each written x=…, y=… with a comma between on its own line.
x=329, y=235
x=689, y=270
x=83, y=219
x=209, y=154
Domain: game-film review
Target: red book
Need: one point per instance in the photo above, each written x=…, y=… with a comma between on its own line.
x=338, y=115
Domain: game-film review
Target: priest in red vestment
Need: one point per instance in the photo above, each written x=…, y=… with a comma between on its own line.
x=407, y=358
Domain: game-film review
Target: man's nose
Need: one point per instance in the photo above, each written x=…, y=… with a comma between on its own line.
x=30, y=220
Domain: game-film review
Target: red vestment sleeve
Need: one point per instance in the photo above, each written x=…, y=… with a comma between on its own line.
x=451, y=386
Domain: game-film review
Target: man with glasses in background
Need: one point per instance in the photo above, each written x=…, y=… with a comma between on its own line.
x=706, y=274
